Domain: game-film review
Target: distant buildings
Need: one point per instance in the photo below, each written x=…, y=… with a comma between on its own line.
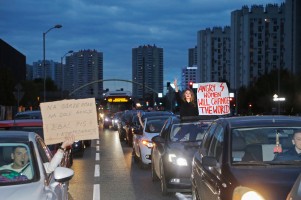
x=189, y=74
x=147, y=70
x=84, y=68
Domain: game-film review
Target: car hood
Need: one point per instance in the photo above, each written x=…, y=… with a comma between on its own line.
x=149, y=136
x=186, y=149
x=31, y=191
x=273, y=182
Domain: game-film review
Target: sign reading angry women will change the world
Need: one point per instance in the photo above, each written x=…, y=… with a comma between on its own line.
x=69, y=117
x=213, y=98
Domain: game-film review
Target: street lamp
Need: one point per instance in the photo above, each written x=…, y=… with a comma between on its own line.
x=62, y=71
x=278, y=99
x=44, y=64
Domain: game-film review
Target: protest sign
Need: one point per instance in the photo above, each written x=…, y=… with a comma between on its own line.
x=66, y=117
x=213, y=98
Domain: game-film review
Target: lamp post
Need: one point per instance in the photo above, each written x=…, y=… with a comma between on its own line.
x=44, y=59
x=62, y=72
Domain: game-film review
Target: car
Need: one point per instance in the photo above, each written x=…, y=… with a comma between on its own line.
x=32, y=114
x=39, y=185
x=115, y=120
x=142, y=140
x=134, y=123
x=295, y=192
x=173, y=150
x=36, y=125
x=238, y=159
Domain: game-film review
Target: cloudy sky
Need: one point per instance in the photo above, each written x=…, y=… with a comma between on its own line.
x=114, y=27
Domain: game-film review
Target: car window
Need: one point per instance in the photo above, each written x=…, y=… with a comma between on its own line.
x=16, y=164
x=216, y=145
x=264, y=144
x=154, y=126
x=189, y=132
x=208, y=136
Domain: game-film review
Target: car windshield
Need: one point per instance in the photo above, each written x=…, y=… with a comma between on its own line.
x=16, y=165
x=189, y=132
x=154, y=126
x=265, y=145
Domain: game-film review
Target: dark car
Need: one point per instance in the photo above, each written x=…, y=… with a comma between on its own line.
x=295, y=192
x=239, y=159
x=116, y=119
x=173, y=151
x=34, y=114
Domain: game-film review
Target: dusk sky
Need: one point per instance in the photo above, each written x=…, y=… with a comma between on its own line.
x=114, y=27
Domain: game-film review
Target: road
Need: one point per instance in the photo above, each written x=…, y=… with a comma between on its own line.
x=107, y=171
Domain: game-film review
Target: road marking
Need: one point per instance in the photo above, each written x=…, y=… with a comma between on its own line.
x=97, y=156
x=97, y=148
x=96, y=171
x=96, y=192
x=97, y=141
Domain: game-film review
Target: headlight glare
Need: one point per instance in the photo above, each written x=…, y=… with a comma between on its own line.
x=177, y=160
x=244, y=193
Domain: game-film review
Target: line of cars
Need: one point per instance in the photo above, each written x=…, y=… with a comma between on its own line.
x=222, y=158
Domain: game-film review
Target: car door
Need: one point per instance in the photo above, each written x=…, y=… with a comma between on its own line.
x=197, y=168
x=209, y=186
x=55, y=191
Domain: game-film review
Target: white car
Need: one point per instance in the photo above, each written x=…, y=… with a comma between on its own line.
x=30, y=182
x=142, y=141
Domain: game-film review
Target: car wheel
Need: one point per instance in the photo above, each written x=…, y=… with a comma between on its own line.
x=154, y=175
x=141, y=164
x=194, y=194
x=136, y=159
x=163, y=181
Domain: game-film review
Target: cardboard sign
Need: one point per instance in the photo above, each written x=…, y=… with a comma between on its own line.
x=213, y=98
x=66, y=117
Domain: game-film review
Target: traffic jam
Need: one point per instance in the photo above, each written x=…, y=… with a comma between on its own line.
x=208, y=155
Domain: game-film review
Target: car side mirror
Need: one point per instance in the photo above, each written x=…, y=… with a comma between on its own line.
x=209, y=161
x=63, y=174
x=158, y=139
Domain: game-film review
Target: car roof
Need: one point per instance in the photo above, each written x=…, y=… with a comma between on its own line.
x=21, y=122
x=257, y=121
x=16, y=136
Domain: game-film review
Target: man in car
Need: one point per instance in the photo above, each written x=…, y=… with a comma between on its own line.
x=294, y=153
x=21, y=162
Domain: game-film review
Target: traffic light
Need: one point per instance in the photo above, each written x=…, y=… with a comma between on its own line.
x=190, y=84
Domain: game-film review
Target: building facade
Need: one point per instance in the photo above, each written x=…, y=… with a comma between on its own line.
x=83, y=74
x=147, y=70
x=189, y=74
x=213, y=52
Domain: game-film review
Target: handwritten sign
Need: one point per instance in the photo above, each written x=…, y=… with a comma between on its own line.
x=213, y=98
x=63, y=118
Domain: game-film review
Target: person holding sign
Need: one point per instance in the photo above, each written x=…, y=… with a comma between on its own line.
x=186, y=102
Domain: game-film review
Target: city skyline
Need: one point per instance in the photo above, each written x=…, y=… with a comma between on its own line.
x=114, y=28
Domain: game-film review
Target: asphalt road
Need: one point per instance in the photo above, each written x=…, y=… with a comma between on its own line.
x=107, y=172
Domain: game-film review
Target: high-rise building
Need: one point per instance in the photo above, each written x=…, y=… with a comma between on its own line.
x=13, y=61
x=51, y=70
x=147, y=70
x=188, y=76
x=257, y=43
x=83, y=73
x=213, y=52
x=193, y=56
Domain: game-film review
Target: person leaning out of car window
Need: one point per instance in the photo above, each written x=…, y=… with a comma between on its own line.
x=21, y=159
x=294, y=153
x=186, y=102
x=151, y=127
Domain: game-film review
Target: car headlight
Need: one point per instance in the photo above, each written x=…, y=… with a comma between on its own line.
x=147, y=143
x=177, y=160
x=244, y=193
x=107, y=119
